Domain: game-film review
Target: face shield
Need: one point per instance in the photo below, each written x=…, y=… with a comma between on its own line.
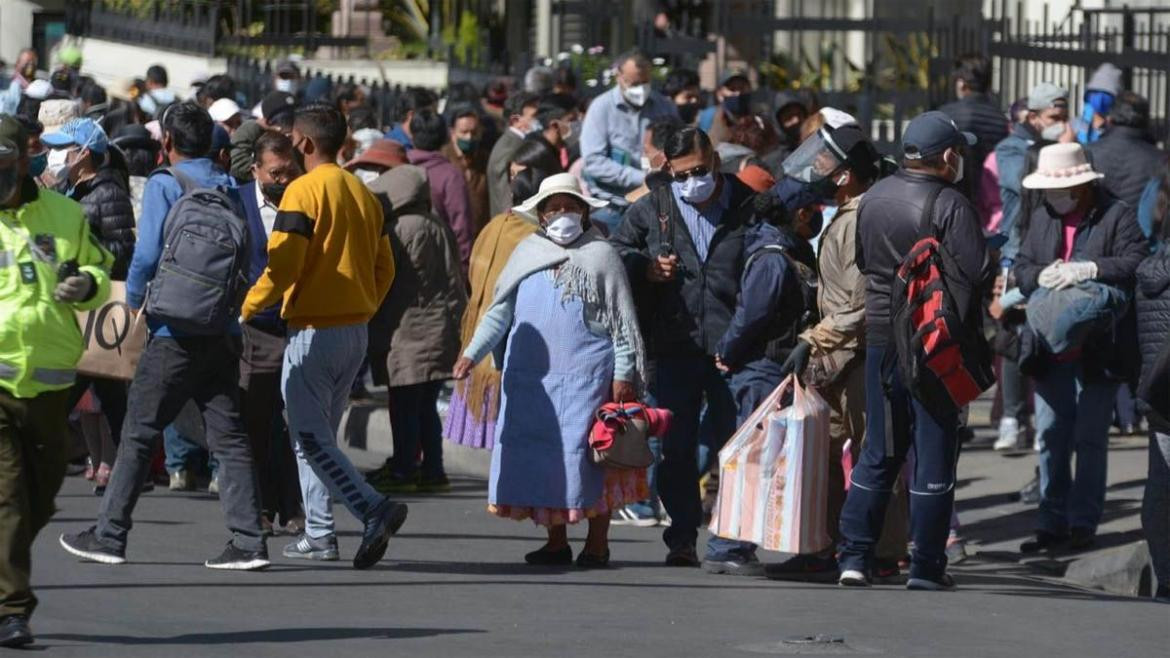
x=816, y=158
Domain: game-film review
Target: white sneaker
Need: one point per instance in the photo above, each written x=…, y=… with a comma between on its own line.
x=1009, y=434
x=852, y=578
x=182, y=481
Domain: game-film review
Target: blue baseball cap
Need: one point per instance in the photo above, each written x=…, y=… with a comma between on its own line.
x=85, y=133
x=931, y=133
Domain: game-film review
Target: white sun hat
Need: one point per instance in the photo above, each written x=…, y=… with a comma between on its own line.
x=1061, y=166
x=557, y=184
x=223, y=109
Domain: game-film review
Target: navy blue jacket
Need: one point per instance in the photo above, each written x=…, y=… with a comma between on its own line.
x=268, y=320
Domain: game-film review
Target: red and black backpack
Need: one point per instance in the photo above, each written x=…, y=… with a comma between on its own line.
x=944, y=362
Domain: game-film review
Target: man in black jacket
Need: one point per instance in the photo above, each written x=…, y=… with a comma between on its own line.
x=975, y=112
x=682, y=245
x=887, y=227
x=1126, y=154
x=1079, y=234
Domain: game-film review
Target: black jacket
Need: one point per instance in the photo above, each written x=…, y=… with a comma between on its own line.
x=1153, y=326
x=1110, y=237
x=888, y=220
x=978, y=114
x=105, y=198
x=1129, y=159
x=689, y=315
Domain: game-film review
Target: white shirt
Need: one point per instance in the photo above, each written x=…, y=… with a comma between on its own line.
x=267, y=211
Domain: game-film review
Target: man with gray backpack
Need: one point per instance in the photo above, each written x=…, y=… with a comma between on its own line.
x=189, y=275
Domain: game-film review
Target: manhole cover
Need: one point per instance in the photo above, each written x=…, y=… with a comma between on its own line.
x=809, y=645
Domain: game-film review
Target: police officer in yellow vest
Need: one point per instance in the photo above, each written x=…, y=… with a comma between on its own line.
x=50, y=267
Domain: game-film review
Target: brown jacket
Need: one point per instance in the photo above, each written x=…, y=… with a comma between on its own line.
x=427, y=299
x=474, y=168
x=840, y=334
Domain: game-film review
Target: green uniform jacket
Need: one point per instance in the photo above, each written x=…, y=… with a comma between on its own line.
x=40, y=341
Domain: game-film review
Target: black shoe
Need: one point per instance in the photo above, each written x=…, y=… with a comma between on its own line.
x=591, y=561
x=1081, y=539
x=1162, y=595
x=381, y=524
x=542, y=557
x=804, y=568
x=87, y=546
x=14, y=632
x=682, y=557
x=943, y=583
x=1044, y=541
x=751, y=568
x=886, y=571
x=236, y=559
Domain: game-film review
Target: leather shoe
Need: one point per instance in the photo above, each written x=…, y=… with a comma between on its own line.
x=562, y=557
x=14, y=632
x=1044, y=541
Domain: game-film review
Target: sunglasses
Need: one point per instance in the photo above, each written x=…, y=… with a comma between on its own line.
x=682, y=176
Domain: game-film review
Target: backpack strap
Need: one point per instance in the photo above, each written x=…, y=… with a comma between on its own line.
x=774, y=248
x=926, y=223
x=185, y=182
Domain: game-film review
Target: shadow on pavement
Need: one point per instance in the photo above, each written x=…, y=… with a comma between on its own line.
x=281, y=635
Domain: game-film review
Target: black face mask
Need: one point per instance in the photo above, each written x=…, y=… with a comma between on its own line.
x=688, y=111
x=274, y=192
x=738, y=106
x=825, y=188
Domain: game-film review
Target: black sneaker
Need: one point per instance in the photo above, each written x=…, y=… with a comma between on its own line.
x=236, y=559
x=804, y=568
x=381, y=524
x=751, y=567
x=1044, y=541
x=87, y=546
x=942, y=584
x=684, y=556
x=1081, y=539
x=14, y=632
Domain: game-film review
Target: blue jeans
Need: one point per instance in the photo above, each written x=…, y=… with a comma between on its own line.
x=181, y=451
x=319, y=368
x=1073, y=414
x=896, y=422
x=750, y=386
x=680, y=384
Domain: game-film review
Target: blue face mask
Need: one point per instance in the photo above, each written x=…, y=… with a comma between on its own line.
x=695, y=189
x=38, y=163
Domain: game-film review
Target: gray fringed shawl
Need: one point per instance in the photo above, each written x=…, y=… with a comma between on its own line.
x=588, y=269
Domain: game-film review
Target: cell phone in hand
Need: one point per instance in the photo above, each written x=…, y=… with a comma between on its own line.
x=67, y=269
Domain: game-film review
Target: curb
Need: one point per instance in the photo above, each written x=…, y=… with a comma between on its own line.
x=1123, y=570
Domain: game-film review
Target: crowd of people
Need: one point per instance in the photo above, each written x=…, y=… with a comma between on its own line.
x=546, y=255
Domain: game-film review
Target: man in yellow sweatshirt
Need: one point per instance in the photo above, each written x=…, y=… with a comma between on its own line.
x=329, y=260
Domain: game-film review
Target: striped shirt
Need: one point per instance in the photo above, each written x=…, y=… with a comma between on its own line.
x=702, y=223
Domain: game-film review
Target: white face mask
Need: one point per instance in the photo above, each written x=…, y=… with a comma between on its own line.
x=564, y=228
x=646, y=166
x=1052, y=133
x=959, y=171
x=636, y=94
x=367, y=176
x=696, y=189
x=287, y=85
x=1062, y=202
x=58, y=165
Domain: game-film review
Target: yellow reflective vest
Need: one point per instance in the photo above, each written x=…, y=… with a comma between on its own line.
x=40, y=341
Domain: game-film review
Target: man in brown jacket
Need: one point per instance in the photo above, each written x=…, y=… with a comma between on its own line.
x=831, y=353
x=469, y=153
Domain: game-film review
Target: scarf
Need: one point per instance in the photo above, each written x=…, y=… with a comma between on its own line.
x=493, y=247
x=590, y=270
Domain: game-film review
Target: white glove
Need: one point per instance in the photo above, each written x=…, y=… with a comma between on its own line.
x=73, y=289
x=1050, y=275
x=1070, y=274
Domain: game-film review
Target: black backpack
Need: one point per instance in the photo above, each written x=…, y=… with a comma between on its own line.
x=944, y=363
x=202, y=274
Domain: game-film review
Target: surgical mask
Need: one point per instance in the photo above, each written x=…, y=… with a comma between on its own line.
x=367, y=176
x=37, y=164
x=148, y=105
x=737, y=106
x=274, y=192
x=534, y=126
x=688, y=111
x=9, y=182
x=695, y=189
x=636, y=95
x=57, y=165
x=287, y=85
x=466, y=145
x=574, y=134
x=1062, y=202
x=646, y=166
x=564, y=228
x=959, y=170
x=1052, y=133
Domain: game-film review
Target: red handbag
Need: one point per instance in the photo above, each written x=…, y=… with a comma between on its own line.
x=621, y=432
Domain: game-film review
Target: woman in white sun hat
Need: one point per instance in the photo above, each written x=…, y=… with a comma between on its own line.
x=563, y=330
x=1078, y=234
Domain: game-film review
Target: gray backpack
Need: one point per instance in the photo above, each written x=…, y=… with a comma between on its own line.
x=202, y=275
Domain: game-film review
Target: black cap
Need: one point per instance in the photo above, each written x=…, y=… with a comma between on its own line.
x=931, y=133
x=277, y=103
x=13, y=131
x=858, y=150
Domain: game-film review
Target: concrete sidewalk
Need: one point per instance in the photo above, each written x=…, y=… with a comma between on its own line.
x=993, y=522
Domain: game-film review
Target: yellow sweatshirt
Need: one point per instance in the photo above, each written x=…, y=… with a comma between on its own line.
x=329, y=254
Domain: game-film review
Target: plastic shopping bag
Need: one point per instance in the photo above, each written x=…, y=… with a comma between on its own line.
x=774, y=475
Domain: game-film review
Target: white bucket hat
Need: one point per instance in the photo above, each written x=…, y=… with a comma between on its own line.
x=1061, y=166
x=557, y=184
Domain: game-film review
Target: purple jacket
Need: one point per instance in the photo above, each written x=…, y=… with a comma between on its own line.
x=449, y=198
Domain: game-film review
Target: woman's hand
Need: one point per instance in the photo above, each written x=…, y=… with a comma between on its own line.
x=462, y=368
x=624, y=391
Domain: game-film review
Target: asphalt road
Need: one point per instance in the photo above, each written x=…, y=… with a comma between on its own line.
x=454, y=584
